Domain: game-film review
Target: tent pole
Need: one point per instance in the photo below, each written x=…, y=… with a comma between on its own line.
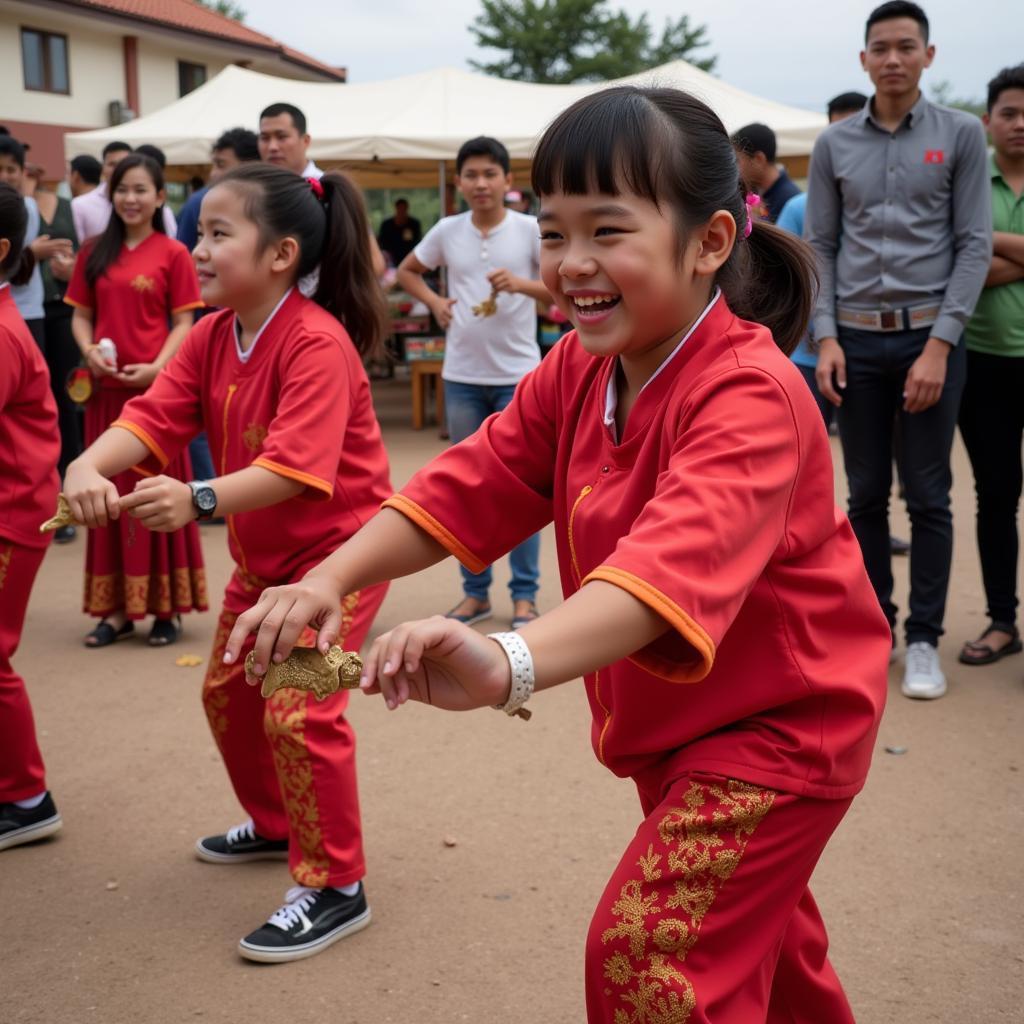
x=441, y=182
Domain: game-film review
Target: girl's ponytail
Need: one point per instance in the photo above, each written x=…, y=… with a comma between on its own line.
x=348, y=288
x=19, y=262
x=771, y=278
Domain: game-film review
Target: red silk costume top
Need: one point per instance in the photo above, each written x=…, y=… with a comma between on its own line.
x=29, y=440
x=299, y=407
x=134, y=297
x=717, y=511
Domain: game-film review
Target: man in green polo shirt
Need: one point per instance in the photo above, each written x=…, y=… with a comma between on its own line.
x=992, y=411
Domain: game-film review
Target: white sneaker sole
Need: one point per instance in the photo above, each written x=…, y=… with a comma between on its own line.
x=30, y=833
x=267, y=955
x=934, y=693
x=212, y=857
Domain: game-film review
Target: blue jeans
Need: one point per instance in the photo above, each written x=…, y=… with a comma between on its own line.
x=468, y=405
x=202, y=462
x=872, y=409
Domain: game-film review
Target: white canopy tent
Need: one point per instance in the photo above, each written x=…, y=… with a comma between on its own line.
x=401, y=131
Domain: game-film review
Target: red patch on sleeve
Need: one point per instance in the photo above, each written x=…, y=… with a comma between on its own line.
x=934, y=156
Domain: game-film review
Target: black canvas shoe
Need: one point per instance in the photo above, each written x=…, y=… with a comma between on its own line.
x=309, y=922
x=239, y=845
x=25, y=825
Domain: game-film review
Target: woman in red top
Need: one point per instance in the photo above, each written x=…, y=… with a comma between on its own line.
x=716, y=600
x=128, y=285
x=278, y=384
x=29, y=449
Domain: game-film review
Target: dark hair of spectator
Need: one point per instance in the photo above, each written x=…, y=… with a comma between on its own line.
x=333, y=234
x=297, y=116
x=1008, y=78
x=755, y=138
x=18, y=263
x=88, y=168
x=667, y=147
x=10, y=146
x=242, y=142
x=154, y=152
x=108, y=246
x=846, y=103
x=402, y=202
x=4, y=130
x=115, y=147
x=483, y=145
x=898, y=9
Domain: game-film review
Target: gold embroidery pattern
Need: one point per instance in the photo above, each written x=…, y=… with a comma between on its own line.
x=254, y=436
x=5, y=564
x=218, y=676
x=285, y=725
x=141, y=283
x=658, y=915
x=138, y=596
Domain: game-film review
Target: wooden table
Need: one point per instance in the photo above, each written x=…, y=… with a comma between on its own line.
x=420, y=371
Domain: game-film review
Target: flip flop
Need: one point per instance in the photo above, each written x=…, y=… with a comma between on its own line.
x=104, y=634
x=519, y=621
x=974, y=652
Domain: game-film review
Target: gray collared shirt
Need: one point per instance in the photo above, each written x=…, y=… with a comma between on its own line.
x=901, y=218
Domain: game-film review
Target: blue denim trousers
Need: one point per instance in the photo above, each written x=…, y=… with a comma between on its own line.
x=467, y=406
x=872, y=409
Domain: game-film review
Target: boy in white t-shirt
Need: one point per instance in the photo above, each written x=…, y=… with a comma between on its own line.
x=487, y=250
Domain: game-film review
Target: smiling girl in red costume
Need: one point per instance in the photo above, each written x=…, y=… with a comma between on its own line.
x=716, y=600
x=128, y=285
x=278, y=384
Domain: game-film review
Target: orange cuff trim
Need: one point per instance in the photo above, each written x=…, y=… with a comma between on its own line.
x=77, y=305
x=425, y=521
x=690, y=630
x=133, y=428
x=191, y=305
x=295, y=474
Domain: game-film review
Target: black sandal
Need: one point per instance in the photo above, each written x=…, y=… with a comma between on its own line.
x=164, y=632
x=104, y=634
x=974, y=652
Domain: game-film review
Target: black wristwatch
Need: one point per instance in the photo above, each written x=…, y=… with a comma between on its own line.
x=204, y=499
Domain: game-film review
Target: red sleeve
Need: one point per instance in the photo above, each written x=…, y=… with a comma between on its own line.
x=78, y=292
x=718, y=516
x=482, y=497
x=170, y=413
x=305, y=437
x=11, y=369
x=183, y=284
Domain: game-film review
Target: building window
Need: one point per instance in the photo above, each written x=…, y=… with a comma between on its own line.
x=190, y=76
x=44, y=58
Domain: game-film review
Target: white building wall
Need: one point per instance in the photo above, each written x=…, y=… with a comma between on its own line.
x=158, y=72
x=95, y=69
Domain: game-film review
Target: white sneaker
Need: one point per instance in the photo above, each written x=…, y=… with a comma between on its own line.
x=923, y=678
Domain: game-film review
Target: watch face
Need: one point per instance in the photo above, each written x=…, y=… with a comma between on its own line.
x=206, y=500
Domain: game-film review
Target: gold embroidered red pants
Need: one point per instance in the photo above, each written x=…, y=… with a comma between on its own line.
x=291, y=758
x=708, y=919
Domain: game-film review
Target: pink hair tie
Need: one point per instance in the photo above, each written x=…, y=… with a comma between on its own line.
x=753, y=200
x=317, y=188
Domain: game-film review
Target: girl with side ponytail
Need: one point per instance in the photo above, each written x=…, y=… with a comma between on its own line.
x=276, y=381
x=717, y=605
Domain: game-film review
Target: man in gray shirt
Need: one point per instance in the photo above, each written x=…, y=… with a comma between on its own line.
x=899, y=216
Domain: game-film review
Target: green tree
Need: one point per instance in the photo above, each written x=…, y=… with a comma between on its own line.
x=226, y=7
x=563, y=41
x=942, y=93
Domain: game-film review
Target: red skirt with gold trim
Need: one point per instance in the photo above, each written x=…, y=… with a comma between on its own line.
x=127, y=567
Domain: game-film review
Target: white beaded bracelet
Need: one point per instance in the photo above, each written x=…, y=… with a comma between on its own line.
x=521, y=662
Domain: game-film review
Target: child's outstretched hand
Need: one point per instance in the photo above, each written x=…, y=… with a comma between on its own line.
x=93, y=498
x=279, y=617
x=437, y=661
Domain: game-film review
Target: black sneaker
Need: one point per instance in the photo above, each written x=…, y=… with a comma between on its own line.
x=309, y=922
x=240, y=844
x=25, y=825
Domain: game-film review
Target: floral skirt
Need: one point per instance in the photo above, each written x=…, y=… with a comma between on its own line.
x=131, y=569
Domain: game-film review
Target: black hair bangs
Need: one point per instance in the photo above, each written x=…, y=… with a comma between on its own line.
x=609, y=142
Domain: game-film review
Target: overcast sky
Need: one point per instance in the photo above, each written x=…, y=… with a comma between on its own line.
x=794, y=51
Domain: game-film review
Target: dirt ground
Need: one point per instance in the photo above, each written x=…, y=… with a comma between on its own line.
x=116, y=921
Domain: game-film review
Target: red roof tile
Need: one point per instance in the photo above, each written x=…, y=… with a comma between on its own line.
x=191, y=16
